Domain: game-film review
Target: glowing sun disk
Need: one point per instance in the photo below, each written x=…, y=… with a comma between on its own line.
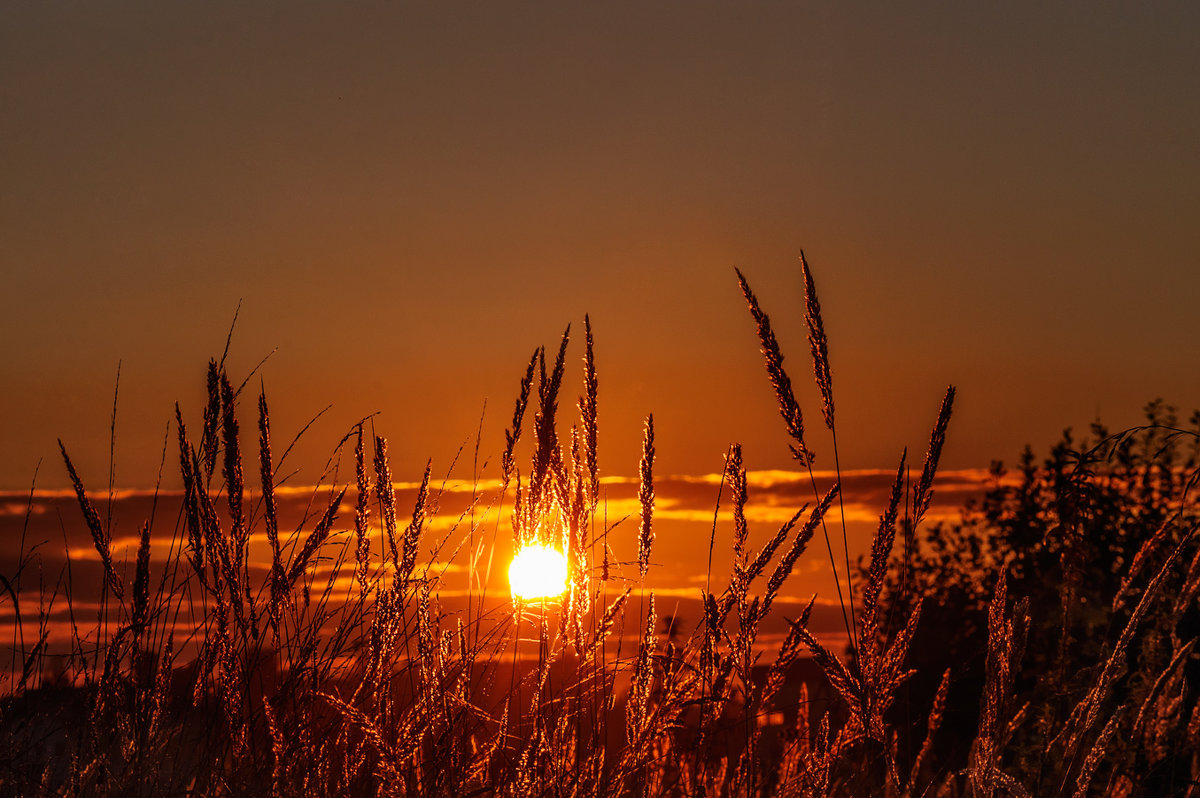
x=538, y=572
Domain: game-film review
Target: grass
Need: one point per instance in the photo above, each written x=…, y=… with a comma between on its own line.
x=249, y=660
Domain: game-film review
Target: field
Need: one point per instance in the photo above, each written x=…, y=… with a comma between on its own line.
x=1042, y=644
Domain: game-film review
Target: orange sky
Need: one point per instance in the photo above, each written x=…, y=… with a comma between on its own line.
x=408, y=198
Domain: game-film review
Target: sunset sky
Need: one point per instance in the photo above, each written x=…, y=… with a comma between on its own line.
x=679, y=569
x=408, y=198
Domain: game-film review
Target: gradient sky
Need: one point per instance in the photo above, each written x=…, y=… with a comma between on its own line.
x=407, y=198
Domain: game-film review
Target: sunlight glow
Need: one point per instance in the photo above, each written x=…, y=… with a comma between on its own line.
x=538, y=572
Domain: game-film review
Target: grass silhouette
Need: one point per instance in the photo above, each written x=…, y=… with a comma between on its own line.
x=1044, y=646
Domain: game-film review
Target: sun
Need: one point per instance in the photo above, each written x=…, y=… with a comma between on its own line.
x=538, y=572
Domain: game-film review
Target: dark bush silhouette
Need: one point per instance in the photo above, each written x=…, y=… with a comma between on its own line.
x=1081, y=536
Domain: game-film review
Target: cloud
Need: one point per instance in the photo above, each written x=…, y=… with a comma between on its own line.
x=21, y=508
x=683, y=522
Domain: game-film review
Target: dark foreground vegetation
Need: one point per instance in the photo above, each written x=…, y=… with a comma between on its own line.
x=1043, y=646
